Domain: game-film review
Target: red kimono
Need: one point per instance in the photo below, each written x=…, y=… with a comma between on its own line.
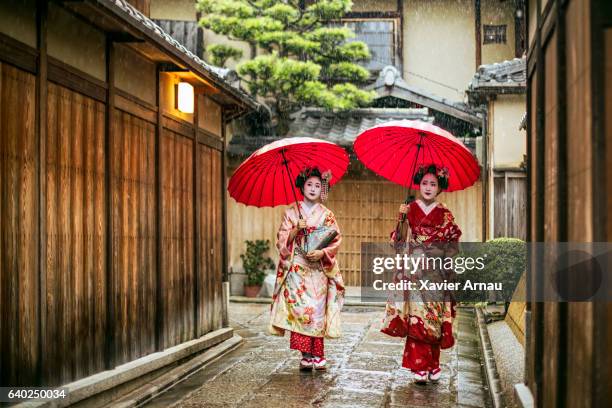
x=426, y=323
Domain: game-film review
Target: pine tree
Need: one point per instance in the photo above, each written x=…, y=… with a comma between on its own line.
x=305, y=57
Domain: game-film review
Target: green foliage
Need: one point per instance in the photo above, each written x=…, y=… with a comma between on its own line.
x=254, y=261
x=305, y=60
x=508, y=263
x=505, y=262
x=220, y=53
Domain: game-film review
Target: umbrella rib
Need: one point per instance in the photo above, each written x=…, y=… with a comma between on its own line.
x=438, y=146
x=395, y=141
x=256, y=165
x=283, y=171
x=291, y=185
x=461, y=175
x=273, y=187
x=326, y=156
x=416, y=159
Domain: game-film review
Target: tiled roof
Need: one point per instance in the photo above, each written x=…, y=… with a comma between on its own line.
x=391, y=83
x=147, y=25
x=343, y=127
x=338, y=127
x=512, y=73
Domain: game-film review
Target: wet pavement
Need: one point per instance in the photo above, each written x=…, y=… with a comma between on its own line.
x=364, y=369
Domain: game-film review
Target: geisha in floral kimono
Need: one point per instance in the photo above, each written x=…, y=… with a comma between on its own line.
x=309, y=291
x=425, y=227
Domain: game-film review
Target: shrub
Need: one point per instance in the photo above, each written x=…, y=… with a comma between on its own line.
x=255, y=261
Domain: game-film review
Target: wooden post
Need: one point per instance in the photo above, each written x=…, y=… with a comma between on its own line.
x=196, y=219
x=110, y=352
x=562, y=193
x=41, y=130
x=537, y=348
x=159, y=281
x=485, y=174
x=224, y=249
x=478, y=33
x=601, y=18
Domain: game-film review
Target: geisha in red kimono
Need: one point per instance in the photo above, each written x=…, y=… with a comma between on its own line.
x=425, y=226
x=309, y=290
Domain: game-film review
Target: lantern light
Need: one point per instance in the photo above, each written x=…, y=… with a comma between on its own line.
x=184, y=97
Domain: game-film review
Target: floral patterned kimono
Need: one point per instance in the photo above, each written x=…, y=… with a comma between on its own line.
x=426, y=323
x=307, y=296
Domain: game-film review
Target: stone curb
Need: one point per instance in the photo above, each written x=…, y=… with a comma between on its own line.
x=176, y=375
x=491, y=374
x=108, y=380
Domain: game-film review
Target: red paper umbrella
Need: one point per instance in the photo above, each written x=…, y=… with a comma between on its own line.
x=395, y=149
x=267, y=177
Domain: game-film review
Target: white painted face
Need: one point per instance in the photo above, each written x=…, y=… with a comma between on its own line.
x=312, y=188
x=429, y=187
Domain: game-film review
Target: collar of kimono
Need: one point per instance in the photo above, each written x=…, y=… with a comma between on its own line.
x=426, y=208
x=307, y=208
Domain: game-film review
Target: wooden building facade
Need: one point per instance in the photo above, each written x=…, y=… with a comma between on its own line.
x=112, y=203
x=569, y=127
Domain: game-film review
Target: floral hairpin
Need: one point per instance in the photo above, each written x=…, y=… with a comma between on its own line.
x=443, y=172
x=325, y=178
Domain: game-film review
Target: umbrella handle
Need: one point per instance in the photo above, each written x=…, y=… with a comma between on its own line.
x=410, y=197
x=297, y=205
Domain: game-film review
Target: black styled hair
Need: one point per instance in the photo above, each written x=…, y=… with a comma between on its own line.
x=432, y=169
x=304, y=175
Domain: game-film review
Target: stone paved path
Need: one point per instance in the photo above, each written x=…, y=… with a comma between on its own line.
x=364, y=369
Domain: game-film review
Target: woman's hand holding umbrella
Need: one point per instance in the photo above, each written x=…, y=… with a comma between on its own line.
x=301, y=225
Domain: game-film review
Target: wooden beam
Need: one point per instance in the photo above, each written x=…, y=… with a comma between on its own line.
x=76, y=80
x=180, y=126
x=372, y=15
x=41, y=130
x=433, y=104
x=135, y=107
x=210, y=140
x=19, y=54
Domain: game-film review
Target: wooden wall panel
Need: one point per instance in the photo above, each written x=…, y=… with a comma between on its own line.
x=210, y=244
x=580, y=188
x=177, y=236
x=579, y=129
x=18, y=228
x=551, y=310
x=75, y=195
x=551, y=145
x=134, y=235
x=499, y=207
x=75, y=236
x=516, y=202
